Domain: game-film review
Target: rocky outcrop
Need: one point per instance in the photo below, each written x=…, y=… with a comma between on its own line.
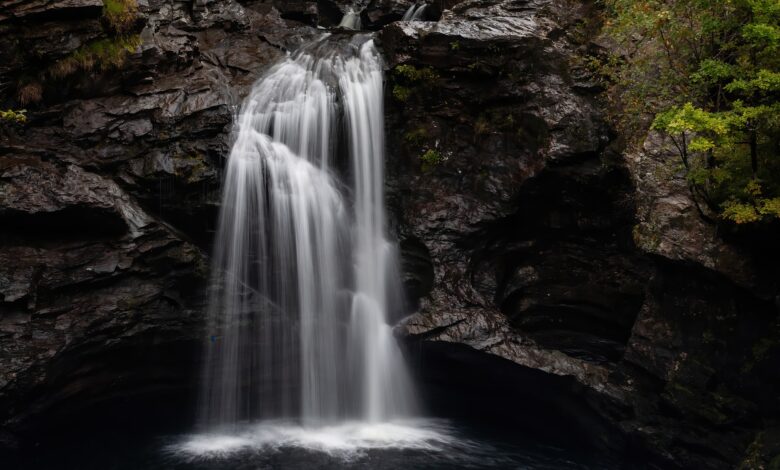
x=519, y=190
x=84, y=272
x=379, y=13
x=20, y=9
x=708, y=330
x=552, y=248
x=537, y=252
x=108, y=196
x=672, y=223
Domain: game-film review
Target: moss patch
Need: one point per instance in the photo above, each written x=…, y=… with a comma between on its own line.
x=416, y=137
x=102, y=54
x=401, y=93
x=410, y=79
x=120, y=14
x=430, y=159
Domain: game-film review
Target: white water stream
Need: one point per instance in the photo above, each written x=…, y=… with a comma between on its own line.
x=415, y=13
x=304, y=276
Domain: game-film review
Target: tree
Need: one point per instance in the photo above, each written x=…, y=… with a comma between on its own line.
x=709, y=73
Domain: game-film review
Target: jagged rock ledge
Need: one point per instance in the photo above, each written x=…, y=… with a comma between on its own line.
x=538, y=253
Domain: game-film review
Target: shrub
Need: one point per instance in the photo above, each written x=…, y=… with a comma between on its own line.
x=401, y=93
x=11, y=115
x=430, y=159
x=31, y=92
x=707, y=75
x=416, y=136
x=103, y=54
x=409, y=79
x=412, y=74
x=120, y=14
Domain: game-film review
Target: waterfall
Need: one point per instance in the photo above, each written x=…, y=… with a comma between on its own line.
x=409, y=12
x=304, y=277
x=419, y=13
x=351, y=20
x=415, y=13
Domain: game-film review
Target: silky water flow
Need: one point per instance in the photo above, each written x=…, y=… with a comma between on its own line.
x=302, y=369
x=304, y=277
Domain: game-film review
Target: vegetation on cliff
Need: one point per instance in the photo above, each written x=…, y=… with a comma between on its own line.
x=410, y=79
x=11, y=115
x=102, y=54
x=121, y=15
x=708, y=75
x=119, y=22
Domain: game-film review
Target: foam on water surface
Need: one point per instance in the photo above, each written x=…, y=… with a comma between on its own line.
x=346, y=441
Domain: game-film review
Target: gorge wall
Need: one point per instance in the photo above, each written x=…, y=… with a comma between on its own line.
x=546, y=265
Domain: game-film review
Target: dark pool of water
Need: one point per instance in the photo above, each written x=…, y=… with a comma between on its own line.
x=420, y=444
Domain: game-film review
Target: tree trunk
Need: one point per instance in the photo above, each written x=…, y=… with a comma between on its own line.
x=754, y=153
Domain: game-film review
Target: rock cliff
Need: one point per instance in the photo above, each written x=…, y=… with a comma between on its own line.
x=536, y=236
x=540, y=254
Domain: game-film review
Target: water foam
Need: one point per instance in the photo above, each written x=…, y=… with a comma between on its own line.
x=345, y=441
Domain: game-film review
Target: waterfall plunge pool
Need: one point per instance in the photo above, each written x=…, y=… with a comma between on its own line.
x=291, y=241
x=422, y=443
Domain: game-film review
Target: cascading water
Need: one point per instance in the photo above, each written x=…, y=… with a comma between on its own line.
x=415, y=13
x=304, y=277
x=351, y=20
x=302, y=368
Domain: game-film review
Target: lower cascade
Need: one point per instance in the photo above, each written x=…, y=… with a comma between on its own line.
x=304, y=277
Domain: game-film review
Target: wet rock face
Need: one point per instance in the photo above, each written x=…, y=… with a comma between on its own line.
x=84, y=271
x=159, y=124
x=379, y=13
x=109, y=195
x=529, y=237
x=556, y=250
x=498, y=172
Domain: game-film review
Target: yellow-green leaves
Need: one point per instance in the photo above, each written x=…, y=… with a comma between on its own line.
x=745, y=213
x=17, y=116
x=701, y=144
x=689, y=118
x=430, y=159
x=414, y=74
x=709, y=73
x=764, y=81
x=713, y=71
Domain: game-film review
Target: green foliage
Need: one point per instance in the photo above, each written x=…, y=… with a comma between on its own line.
x=401, y=93
x=430, y=159
x=108, y=53
x=17, y=116
x=120, y=14
x=102, y=54
x=119, y=21
x=709, y=73
x=494, y=120
x=410, y=79
x=413, y=74
x=758, y=209
x=416, y=136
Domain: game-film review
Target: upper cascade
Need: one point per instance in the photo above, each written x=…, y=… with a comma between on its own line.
x=415, y=13
x=351, y=20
